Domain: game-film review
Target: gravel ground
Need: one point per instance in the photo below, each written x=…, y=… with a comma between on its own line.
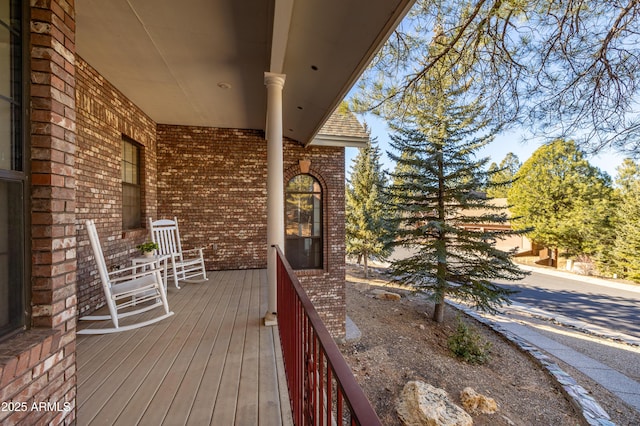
x=400, y=343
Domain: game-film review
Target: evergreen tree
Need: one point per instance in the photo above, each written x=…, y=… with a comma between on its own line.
x=434, y=186
x=366, y=228
x=626, y=249
x=502, y=176
x=564, y=200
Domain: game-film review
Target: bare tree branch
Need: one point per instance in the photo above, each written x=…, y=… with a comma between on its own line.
x=561, y=67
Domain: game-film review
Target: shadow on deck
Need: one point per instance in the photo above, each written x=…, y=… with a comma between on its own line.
x=213, y=362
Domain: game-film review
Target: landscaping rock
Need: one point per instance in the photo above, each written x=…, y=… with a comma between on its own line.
x=361, y=286
x=474, y=402
x=385, y=295
x=421, y=404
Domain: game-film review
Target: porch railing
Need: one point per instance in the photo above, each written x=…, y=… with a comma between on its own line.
x=322, y=389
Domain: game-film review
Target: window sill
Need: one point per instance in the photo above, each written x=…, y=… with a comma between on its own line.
x=25, y=350
x=134, y=233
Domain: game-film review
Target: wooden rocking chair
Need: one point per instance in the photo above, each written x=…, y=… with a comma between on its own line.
x=185, y=265
x=127, y=291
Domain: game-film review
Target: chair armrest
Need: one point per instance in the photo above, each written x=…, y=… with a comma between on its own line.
x=130, y=272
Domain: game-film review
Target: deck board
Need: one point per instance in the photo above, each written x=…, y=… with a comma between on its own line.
x=110, y=378
x=143, y=366
x=270, y=409
x=247, y=407
x=226, y=401
x=213, y=362
x=190, y=385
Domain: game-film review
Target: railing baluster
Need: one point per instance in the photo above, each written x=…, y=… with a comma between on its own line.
x=339, y=413
x=307, y=346
x=319, y=390
x=330, y=396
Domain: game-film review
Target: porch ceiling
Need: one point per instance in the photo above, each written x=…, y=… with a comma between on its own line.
x=170, y=58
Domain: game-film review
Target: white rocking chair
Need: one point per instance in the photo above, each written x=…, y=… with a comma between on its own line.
x=185, y=265
x=127, y=291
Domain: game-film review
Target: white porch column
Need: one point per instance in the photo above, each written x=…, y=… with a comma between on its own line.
x=275, y=186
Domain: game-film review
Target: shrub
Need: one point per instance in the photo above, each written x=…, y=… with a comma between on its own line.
x=466, y=344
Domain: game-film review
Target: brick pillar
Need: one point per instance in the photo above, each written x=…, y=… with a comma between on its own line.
x=53, y=234
x=53, y=132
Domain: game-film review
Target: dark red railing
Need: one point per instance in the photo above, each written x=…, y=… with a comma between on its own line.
x=322, y=389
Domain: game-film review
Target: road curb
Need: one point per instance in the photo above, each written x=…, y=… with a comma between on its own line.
x=588, y=407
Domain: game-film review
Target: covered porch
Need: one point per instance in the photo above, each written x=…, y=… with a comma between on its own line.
x=128, y=110
x=213, y=362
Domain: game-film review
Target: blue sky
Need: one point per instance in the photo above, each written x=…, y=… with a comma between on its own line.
x=503, y=144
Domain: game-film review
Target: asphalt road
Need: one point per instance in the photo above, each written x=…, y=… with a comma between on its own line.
x=607, y=307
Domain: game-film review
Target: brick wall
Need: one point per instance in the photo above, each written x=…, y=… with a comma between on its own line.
x=214, y=181
x=326, y=288
x=38, y=366
x=104, y=115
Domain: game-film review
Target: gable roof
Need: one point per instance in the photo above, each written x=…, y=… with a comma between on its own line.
x=342, y=129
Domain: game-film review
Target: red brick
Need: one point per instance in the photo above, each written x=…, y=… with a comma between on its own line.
x=44, y=322
x=34, y=357
x=9, y=365
x=40, y=179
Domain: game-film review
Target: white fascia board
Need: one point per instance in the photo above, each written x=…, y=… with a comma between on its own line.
x=343, y=141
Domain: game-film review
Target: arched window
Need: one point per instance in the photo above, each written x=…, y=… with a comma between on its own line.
x=303, y=246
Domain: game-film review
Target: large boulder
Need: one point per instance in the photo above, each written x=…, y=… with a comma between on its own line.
x=421, y=404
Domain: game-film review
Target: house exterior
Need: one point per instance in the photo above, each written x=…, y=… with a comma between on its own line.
x=121, y=111
x=520, y=244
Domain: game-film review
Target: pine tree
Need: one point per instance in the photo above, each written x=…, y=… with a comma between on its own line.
x=626, y=249
x=366, y=228
x=564, y=200
x=503, y=176
x=435, y=185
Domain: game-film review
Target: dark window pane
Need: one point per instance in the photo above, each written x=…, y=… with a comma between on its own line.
x=131, y=190
x=130, y=156
x=12, y=192
x=304, y=253
x=5, y=61
x=5, y=9
x=6, y=135
x=303, y=212
x=316, y=219
x=11, y=255
x=131, y=217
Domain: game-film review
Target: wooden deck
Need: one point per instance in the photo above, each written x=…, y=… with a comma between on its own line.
x=213, y=362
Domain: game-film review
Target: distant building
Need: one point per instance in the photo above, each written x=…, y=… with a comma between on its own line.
x=521, y=243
